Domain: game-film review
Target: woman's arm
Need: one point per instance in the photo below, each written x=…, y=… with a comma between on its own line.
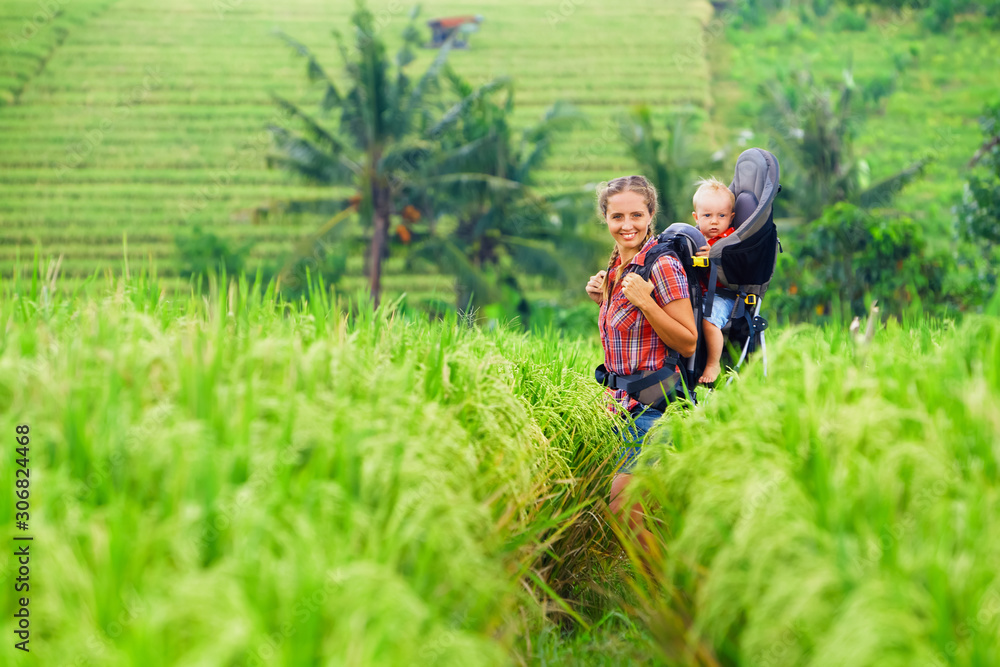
x=673, y=323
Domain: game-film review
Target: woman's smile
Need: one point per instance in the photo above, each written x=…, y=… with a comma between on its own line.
x=628, y=217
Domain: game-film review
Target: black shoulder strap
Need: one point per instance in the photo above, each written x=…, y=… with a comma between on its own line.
x=713, y=276
x=653, y=254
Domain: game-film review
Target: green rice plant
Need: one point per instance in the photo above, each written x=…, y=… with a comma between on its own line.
x=229, y=477
x=840, y=510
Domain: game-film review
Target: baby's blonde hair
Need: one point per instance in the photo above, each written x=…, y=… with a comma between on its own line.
x=713, y=185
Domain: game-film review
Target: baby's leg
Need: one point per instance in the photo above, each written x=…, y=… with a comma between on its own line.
x=713, y=346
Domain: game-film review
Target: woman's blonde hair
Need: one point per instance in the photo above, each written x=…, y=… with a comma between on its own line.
x=641, y=186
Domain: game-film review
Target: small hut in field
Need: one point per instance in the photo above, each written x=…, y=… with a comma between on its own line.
x=443, y=28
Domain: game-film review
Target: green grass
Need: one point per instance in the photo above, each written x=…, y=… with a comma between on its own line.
x=224, y=477
x=842, y=511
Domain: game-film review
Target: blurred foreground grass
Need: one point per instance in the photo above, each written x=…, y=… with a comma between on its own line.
x=844, y=510
x=229, y=479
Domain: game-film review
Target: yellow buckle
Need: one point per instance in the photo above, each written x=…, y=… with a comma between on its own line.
x=751, y=299
x=699, y=261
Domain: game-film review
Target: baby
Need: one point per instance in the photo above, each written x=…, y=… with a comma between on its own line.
x=713, y=213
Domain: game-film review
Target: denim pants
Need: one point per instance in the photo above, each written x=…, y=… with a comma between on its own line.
x=634, y=434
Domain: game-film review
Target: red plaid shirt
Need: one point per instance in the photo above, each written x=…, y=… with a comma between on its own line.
x=630, y=343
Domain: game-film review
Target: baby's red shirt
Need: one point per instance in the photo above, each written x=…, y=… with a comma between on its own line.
x=723, y=235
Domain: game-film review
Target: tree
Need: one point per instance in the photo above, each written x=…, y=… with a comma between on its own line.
x=813, y=130
x=381, y=140
x=977, y=219
x=849, y=254
x=669, y=163
x=482, y=179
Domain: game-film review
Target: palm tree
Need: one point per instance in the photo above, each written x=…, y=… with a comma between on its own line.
x=482, y=180
x=381, y=140
x=669, y=163
x=813, y=131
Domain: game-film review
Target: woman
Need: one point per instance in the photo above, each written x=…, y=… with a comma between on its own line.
x=639, y=319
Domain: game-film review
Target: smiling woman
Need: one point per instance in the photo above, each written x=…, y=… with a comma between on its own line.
x=642, y=322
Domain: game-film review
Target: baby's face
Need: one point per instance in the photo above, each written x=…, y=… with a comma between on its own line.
x=714, y=214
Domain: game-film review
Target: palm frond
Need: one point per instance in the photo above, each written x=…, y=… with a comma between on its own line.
x=468, y=157
x=461, y=108
x=560, y=117
x=452, y=259
x=405, y=159
x=314, y=71
x=493, y=183
x=536, y=256
x=419, y=90
x=882, y=192
x=303, y=157
x=314, y=130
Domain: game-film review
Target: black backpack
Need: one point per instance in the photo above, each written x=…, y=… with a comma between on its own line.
x=657, y=388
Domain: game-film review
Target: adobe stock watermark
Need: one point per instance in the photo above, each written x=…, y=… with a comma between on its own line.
x=567, y=182
x=47, y=12
x=778, y=653
x=383, y=16
x=891, y=533
x=266, y=650
x=565, y=10
x=136, y=437
x=761, y=494
x=982, y=622
x=100, y=644
x=79, y=151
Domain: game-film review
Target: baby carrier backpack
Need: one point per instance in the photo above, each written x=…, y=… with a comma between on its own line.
x=745, y=260
x=657, y=388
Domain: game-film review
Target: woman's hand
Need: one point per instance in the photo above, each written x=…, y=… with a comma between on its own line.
x=637, y=290
x=594, y=289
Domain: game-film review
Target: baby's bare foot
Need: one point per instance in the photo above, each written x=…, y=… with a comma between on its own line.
x=711, y=373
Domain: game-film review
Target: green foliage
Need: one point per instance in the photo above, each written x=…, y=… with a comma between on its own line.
x=384, y=136
x=977, y=217
x=849, y=257
x=813, y=129
x=503, y=229
x=670, y=163
x=754, y=13
x=202, y=253
x=849, y=20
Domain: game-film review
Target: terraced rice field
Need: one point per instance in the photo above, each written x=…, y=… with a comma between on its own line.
x=119, y=117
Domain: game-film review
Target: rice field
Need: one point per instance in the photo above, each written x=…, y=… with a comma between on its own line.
x=226, y=478
x=119, y=117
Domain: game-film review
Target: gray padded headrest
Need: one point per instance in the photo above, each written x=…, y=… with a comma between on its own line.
x=756, y=175
x=746, y=204
x=692, y=233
